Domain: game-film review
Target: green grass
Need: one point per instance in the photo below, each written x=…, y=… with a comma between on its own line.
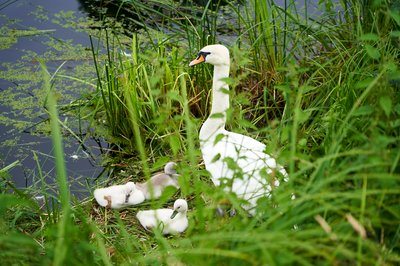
x=323, y=94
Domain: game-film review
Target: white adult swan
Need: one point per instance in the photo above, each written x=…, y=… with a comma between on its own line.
x=170, y=221
x=236, y=160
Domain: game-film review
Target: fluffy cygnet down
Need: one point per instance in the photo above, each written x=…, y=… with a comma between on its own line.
x=169, y=221
x=154, y=187
x=118, y=196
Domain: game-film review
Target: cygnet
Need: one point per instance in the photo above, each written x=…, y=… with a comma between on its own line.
x=154, y=187
x=169, y=221
x=119, y=196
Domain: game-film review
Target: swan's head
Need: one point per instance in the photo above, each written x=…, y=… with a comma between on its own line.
x=169, y=168
x=180, y=206
x=129, y=187
x=215, y=54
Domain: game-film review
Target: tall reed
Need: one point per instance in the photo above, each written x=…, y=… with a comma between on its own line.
x=62, y=244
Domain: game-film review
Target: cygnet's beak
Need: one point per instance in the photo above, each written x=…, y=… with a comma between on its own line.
x=174, y=214
x=127, y=197
x=200, y=59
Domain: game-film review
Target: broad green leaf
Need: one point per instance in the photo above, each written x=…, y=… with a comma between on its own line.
x=369, y=37
x=283, y=88
x=397, y=108
x=161, y=162
x=174, y=96
x=218, y=138
x=396, y=16
x=175, y=144
x=307, y=88
x=364, y=83
x=217, y=115
x=304, y=115
x=247, y=124
x=216, y=158
x=363, y=110
x=372, y=52
x=395, y=33
x=386, y=104
x=302, y=142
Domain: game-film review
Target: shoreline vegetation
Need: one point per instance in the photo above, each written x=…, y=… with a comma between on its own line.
x=321, y=92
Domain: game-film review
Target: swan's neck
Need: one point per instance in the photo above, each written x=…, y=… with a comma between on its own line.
x=220, y=103
x=181, y=215
x=220, y=96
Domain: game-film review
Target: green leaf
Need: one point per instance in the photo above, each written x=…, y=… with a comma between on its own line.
x=369, y=37
x=285, y=134
x=218, y=138
x=386, y=104
x=363, y=110
x=216, y=158
x=397, y=108
x=303, y=142
x=217, y=115
x=372, y=52
x=395, y=123
x=364, y=83
x=173, y=95
x=395, y=33
x=161, y=162
x=247, y=124
x=396, y=16
x=283, y=88
x=307, y=88
x=175, y=144
x=9, y=201
x=304, y=115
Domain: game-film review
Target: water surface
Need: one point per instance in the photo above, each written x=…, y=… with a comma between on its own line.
x=42, y=29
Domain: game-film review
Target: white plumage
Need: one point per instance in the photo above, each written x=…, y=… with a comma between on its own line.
x=118, y=196
x=232, y=158
x=169, y=221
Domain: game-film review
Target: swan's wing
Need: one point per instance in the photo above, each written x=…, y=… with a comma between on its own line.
x=114, y=190
x=153, y=218
x=241, y=165
x=118, y=200
x=147, y=219
x=178, y=225
x=245, y=142
x=248, y=153
x=136, y=197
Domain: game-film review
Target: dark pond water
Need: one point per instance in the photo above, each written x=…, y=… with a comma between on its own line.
x=22, y=114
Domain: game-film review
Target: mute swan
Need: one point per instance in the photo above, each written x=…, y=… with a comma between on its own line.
x=118, y=196
x=236, y=161
x=170, y=221
x=154, y=187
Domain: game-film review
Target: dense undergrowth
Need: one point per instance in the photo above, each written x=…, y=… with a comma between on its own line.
x=322, y=93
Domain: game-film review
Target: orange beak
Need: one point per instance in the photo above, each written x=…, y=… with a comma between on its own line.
x=200, y=59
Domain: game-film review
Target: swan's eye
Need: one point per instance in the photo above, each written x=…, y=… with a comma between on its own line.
x=201, y=57
x=203, y=54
